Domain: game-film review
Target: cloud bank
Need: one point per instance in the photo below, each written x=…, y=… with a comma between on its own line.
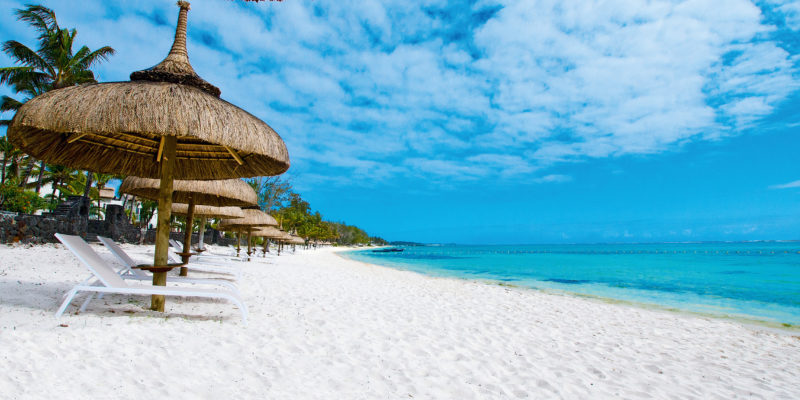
x=464, y=91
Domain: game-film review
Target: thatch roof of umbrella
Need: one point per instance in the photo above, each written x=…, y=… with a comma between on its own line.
x=121, y=127
x=267, y=232
x=107, y=193
x=285, y=236
x=219, y=193
x=208, y=211
x=252, y=219
x=297, y=240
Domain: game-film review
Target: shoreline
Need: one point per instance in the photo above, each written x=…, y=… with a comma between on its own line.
x=752, y=321
x=323, y=326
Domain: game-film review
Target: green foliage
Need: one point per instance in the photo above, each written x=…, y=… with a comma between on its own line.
x=295, y=215
x=273, y=192
x=15, y=199
x=146, y=213
x=52, y=65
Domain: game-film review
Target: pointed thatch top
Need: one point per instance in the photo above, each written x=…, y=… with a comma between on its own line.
x=218, y=193
x=176, y=67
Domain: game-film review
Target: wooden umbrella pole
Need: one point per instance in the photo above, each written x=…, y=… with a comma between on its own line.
x=238, y=241
x=201, y=234
x=187, y=236
x=164, y=209
x=266, y=243
x=249, y=241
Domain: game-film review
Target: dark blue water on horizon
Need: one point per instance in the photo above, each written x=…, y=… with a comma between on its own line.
x=754, y=280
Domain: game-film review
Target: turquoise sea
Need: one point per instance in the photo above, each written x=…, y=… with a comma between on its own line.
x=756, y=281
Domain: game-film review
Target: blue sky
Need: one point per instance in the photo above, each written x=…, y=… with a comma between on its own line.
x=502, y=121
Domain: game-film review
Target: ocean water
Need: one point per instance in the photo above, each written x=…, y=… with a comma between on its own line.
x=758, y=281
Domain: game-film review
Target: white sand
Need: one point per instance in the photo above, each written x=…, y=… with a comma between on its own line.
x=323, y=327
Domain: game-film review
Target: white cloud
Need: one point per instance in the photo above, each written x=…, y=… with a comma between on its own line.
x=553, y=178
x=789, y=185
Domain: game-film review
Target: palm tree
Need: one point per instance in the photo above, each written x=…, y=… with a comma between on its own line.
x=60, y=177
x=12, y=157
x=52, y=66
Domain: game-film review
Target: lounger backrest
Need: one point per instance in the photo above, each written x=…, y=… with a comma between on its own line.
x=117, y=251
x=176, y=244
x=91, y=260
x=114, y=248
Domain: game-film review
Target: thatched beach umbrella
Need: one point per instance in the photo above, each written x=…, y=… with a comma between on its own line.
x=208, y=211
x=269, y=232
x=220, y=193
x=253, y=218
x=166, y=123
x=205, y=212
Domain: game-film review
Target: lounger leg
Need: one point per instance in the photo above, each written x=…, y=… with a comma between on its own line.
x=86, y=302
x=70, y=296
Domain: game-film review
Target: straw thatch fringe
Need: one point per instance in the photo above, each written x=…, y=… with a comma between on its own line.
x=228, y=192
x=116, y=128
x=252, y=219
x=208, y=211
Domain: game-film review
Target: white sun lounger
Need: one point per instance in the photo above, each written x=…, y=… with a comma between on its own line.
x=128, y=272
x=107, y=281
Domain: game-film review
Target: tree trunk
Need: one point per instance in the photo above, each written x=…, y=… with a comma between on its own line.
x=41, y=176
x=54, y=200
x=5, y=159
x=28, y=170
x=88, y=188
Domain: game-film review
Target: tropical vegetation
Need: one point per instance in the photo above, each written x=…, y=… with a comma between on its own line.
x=295, y=215
x=52, y=65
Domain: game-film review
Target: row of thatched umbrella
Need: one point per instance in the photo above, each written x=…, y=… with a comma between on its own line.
x=219, y=193
x=252, y=219
x=204, y=213
x=165, y=123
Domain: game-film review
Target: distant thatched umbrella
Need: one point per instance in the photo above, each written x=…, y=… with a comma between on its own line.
x=252, y=219
x=218, y=193
x=107, y=193
x=166, y=123
x=205, y=212
x=269, y=232
x=221, y=193
x=208, y=211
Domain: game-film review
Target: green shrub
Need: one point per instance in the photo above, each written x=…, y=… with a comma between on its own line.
x=16, y=199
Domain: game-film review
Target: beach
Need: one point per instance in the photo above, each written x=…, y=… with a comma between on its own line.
x=322, y=326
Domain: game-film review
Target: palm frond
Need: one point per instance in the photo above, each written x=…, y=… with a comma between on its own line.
x=25, y=80
x=39, y=17
x=101, y=54
x=24, y=55
x=9, y=104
